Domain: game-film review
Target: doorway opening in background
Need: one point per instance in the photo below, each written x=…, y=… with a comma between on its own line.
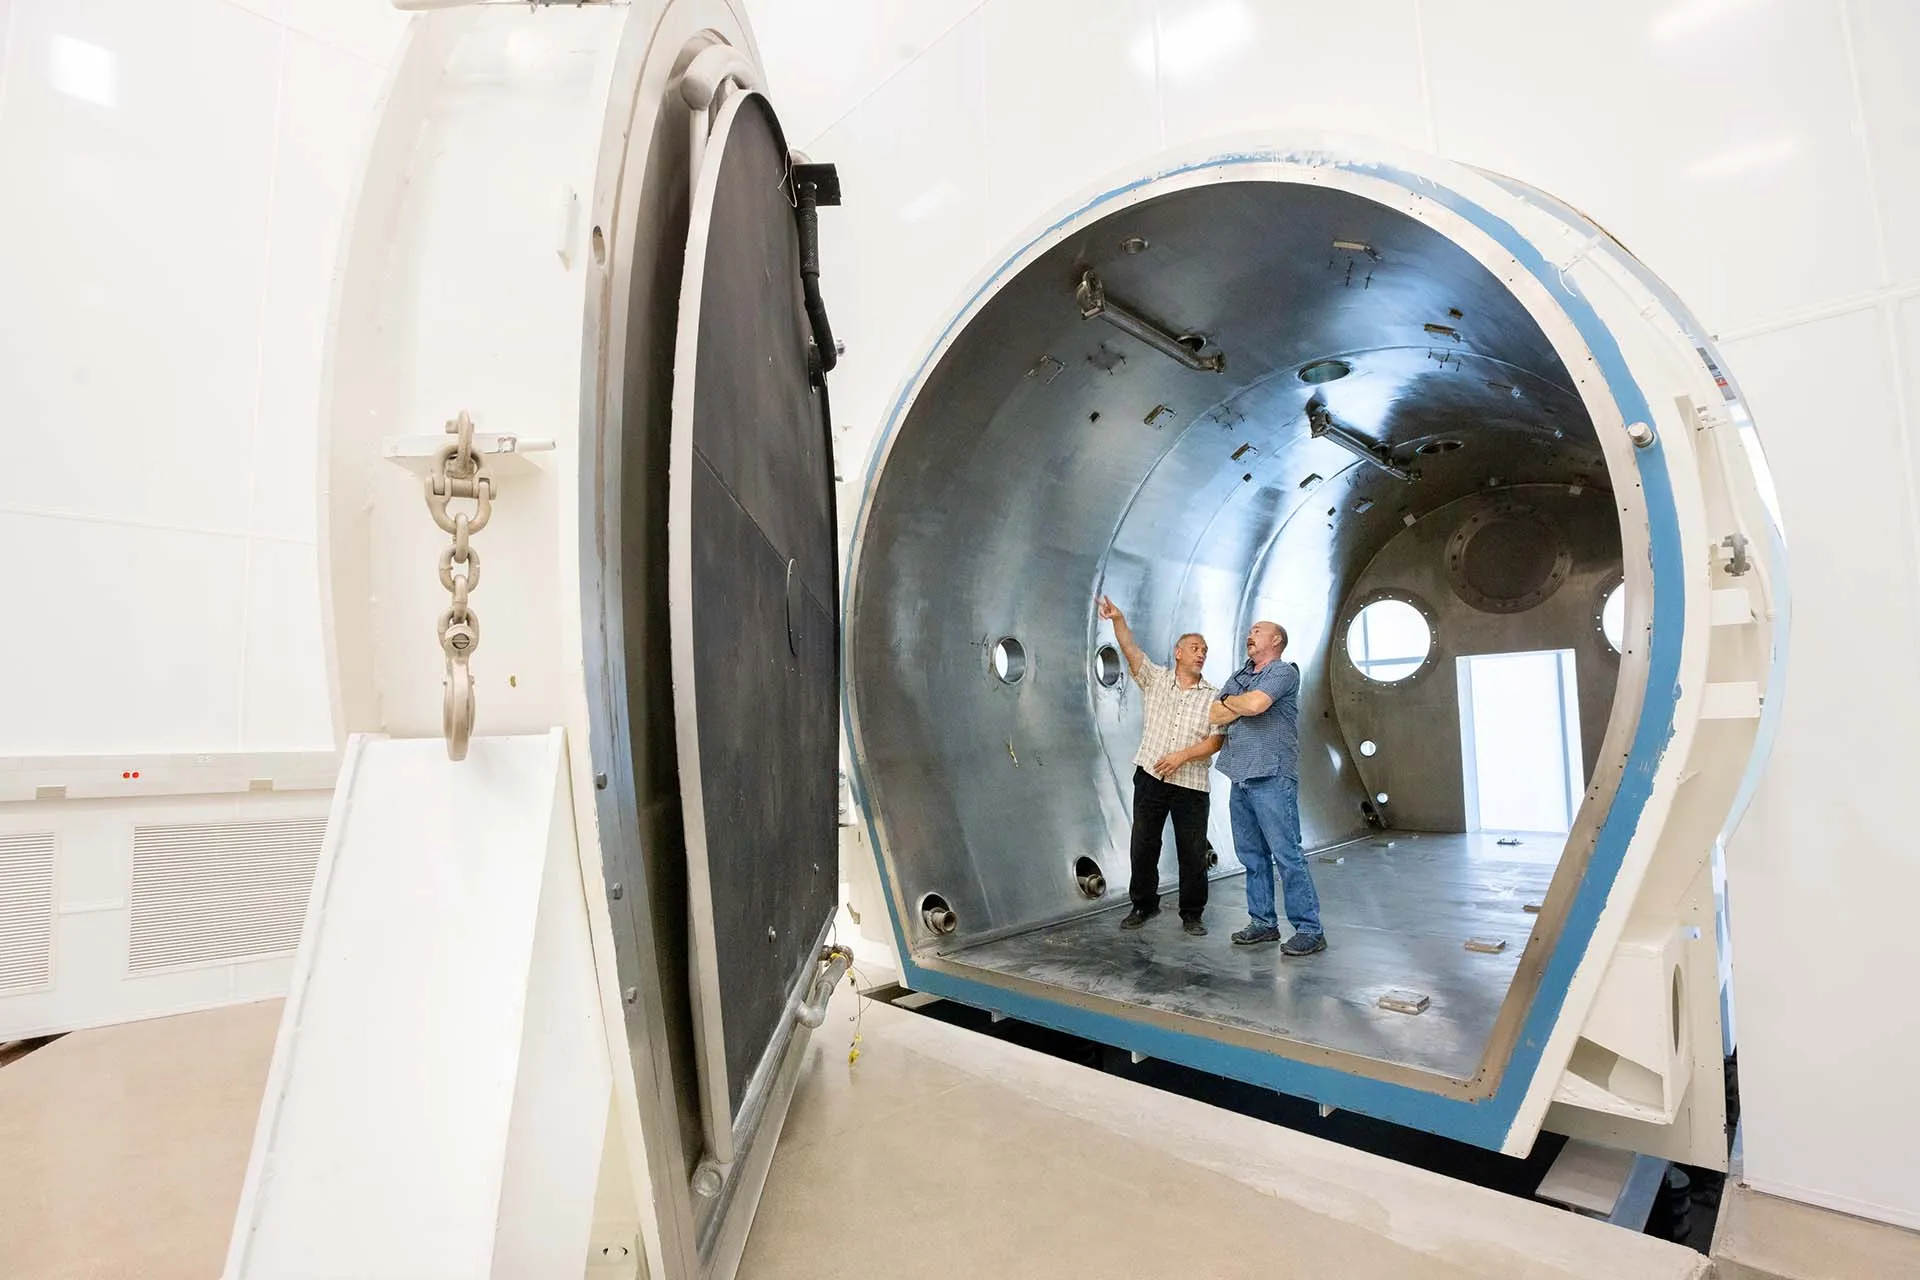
x=1520, y=741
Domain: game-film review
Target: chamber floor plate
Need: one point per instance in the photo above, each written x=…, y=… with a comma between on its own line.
x=1398, y=909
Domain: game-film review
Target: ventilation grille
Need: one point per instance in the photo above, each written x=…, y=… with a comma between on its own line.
x=26, y=909
x=210, y=892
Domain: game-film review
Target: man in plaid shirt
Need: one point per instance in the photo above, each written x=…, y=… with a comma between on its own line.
x=1170, y=771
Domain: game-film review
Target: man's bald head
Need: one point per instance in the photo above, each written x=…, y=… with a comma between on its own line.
x=1265, y=642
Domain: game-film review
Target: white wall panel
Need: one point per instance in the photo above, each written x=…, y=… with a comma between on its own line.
x=912, y=232
x=1820, y=882
x=370, y=30
x=173, y=179
x=284, y=699
x=118, y=637
x=823, y=57
x=326, y=104
x=1715, y=138
x=136, y=144
x=1070, y=92
x=1885, y=36
x=1228, y=66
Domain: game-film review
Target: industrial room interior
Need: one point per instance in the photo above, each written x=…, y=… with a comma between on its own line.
x=737, y=880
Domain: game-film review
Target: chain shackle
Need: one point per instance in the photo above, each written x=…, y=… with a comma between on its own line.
x=456, y=708
x=459, y=637
x=449, y=557
x=443, y=487
x=458, y=473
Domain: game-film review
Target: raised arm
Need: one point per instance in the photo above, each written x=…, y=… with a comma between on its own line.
x=1136, y=658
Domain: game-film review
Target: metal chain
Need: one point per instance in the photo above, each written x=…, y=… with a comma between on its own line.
x=457, y=473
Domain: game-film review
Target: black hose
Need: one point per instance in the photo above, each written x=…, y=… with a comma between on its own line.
x=809, y=217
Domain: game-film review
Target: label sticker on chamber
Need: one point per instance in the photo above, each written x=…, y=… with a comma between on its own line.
x=1719, y=378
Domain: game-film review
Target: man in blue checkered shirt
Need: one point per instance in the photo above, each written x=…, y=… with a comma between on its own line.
x=1261, y=704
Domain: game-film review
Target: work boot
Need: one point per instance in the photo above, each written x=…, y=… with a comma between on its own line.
x=1256, y=933
x=1301, y=944
x=1136, y=918
x=1193, y=927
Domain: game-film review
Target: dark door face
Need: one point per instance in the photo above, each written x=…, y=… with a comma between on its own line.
x=753, y=584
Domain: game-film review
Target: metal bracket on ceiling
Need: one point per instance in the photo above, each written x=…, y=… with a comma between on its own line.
x=1185, y=348
x=1321, y=424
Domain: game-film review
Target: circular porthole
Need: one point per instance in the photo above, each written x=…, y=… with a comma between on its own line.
x=1106, y=666
x=1389, y=640
x=1324, y=371
x=1369, y=747
x=1009, y=660
x=1380, y=797
x=1612, y=618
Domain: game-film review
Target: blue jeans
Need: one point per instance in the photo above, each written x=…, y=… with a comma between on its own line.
x=1266, y=833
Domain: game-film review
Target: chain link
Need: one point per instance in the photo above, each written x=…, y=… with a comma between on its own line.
x=458, y=473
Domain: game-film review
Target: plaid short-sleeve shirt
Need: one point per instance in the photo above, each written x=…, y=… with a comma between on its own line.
x=1174, y=719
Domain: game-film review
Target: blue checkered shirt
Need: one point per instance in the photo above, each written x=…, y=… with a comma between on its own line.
x=1266, y=745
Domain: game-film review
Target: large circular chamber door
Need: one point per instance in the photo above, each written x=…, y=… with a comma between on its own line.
x=751, y=585
x=660, y=567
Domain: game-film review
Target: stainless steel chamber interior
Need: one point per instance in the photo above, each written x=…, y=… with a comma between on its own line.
x=1387, y=420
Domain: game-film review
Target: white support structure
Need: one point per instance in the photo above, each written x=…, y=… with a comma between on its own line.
x=439, y=1094
x=476, y=1069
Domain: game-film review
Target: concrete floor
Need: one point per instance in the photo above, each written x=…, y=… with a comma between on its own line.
x=125, y=1149
x=941, y=1151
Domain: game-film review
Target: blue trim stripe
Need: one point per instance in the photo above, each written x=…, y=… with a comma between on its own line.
x=1776, y=550
x=1484, y=1122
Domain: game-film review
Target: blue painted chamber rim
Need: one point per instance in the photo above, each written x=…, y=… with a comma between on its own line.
x=1781, y=579
x=1483, y=1121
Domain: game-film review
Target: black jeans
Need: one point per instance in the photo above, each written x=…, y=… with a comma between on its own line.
x=1153, y=801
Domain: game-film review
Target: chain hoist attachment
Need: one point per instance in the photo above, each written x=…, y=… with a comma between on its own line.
x=457, y=474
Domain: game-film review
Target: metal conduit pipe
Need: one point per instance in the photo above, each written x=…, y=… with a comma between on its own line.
x=813, y=1011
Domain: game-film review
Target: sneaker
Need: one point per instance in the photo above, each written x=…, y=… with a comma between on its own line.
x=1255, y=933
x=1194, y=928
x=1136, y=918
x=1301, y=944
